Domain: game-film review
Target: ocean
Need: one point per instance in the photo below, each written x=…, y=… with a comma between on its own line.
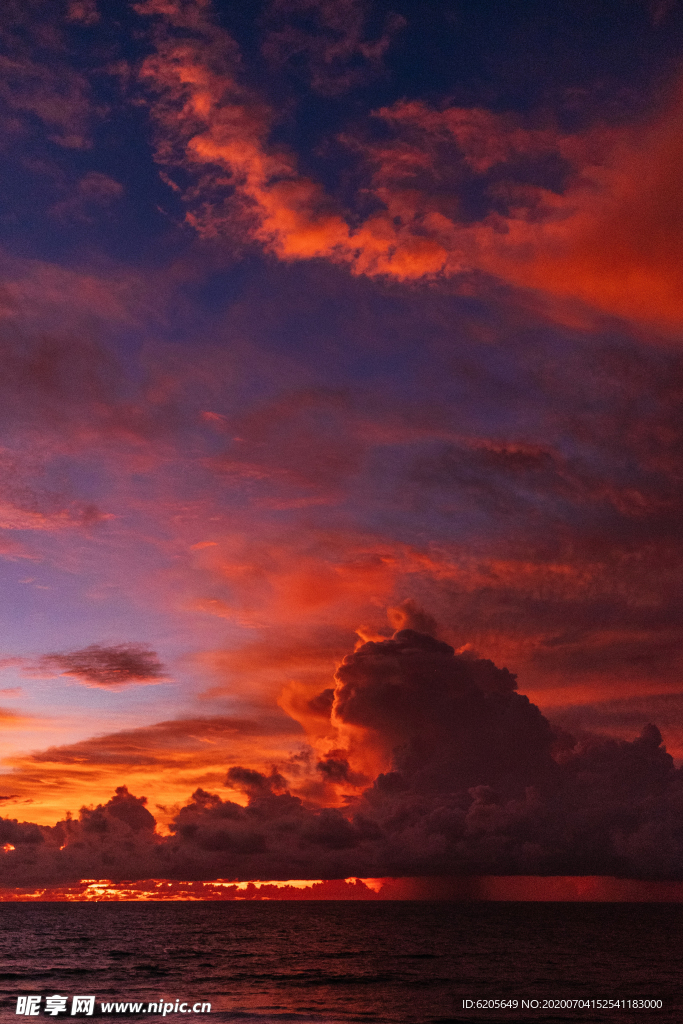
x=341, y=962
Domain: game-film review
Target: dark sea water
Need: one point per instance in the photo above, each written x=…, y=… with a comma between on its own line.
x=342, y=962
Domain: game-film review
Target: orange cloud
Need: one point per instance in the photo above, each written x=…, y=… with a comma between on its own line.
x=11, y=719
x=169, y=759
x=317, y=577
x=539, y=609
x=619, y=244
x=606, y=235
x=609, y=237
x=207, y=120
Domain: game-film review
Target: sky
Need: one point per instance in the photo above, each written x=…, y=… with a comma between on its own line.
x=340, y=439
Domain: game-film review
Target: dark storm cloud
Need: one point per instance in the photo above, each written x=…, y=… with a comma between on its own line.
x=108, y=667
x=480, y=784
x=122, y=807
x=335, y=767
x=117, y=837
x=452, y=722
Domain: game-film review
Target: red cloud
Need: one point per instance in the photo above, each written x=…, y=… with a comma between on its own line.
x=603, y=231
x=208, y=121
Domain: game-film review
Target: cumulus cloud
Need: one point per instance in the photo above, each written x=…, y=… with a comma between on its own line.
x=117, y=835
x=478, y=783
x=108, y=667
x=168, y=759
x=448, y=722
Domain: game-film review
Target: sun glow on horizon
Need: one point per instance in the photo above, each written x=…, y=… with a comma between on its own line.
x=485, y=888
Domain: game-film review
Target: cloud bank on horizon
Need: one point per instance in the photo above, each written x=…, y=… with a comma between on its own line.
x=313, y=312
x=478, y=783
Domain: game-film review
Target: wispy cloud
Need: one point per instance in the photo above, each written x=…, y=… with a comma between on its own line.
x=561, y=213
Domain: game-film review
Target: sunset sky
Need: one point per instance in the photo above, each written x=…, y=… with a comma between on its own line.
x=324, y=321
